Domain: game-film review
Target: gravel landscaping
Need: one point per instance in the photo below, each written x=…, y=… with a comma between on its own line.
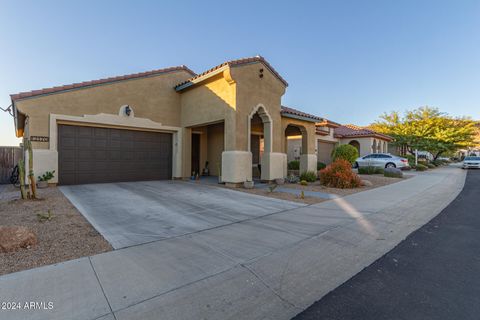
x=377, y=180
x=67, y=235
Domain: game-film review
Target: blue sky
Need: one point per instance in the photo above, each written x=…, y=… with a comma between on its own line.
x=348, y=61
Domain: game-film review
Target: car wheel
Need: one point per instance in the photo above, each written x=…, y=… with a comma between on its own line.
x=355, y=165
x=390, y=165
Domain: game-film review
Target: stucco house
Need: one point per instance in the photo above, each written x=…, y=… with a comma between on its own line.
x=166, y=124
x=329, y=134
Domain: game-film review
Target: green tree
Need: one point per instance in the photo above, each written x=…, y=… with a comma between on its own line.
x=427, y=129
x=346, y=152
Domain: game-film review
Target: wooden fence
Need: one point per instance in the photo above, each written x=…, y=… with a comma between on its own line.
x=9, y=157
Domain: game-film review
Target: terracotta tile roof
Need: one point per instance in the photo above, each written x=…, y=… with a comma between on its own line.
x=295, y=112
x=328, y=123
x=33, y=93
x=321, y=132
x=352, y=131
x=235, y=63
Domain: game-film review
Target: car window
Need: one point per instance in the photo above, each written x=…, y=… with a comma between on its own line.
x=472, y=158
x=370, y=156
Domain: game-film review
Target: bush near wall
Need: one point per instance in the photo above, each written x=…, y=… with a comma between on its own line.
x=309, y=176
x=345, y=152
x=294, y=165
x=321, y=165
x=339, y=174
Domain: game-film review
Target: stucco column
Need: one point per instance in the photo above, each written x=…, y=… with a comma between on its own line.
x=308, y=162
x=274, y=165
x=236, y=166
x=187, y=152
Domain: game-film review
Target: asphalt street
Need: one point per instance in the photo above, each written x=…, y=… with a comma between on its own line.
x=433, y=274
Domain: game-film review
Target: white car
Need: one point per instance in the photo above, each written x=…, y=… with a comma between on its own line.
x=471, y=162
x=381, y=160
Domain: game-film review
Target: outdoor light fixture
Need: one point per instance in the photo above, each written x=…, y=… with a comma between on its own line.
x=128, y=110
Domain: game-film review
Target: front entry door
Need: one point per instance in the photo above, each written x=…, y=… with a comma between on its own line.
x=196, y=153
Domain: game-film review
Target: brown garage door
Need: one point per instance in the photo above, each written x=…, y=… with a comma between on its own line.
x=95, y=155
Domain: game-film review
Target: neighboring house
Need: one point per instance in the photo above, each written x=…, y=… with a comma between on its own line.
x=166, y=124
x=329, y=134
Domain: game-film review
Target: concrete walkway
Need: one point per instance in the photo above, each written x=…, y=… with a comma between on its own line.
x=268, y=267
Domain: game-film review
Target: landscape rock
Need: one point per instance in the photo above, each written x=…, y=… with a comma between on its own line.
x=393, y=173
x=14, y=238
x=366, y=183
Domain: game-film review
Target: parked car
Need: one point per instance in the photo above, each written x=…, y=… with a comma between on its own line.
x=471, y=162
x=381, y=160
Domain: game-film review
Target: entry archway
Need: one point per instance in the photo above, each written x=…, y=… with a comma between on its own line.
x=259, y=139
x=356, y=144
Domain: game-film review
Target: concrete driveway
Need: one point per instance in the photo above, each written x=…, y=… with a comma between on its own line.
x=132, y=213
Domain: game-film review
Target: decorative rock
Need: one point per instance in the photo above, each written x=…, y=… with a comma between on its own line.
x=366, y=183
x=14, y=238
x=393, y=173
x=280, y=181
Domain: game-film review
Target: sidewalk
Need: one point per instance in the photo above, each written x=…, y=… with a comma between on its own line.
x=271, y=267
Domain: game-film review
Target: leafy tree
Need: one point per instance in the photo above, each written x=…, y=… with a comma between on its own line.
x=427, y=129
x=346, y=152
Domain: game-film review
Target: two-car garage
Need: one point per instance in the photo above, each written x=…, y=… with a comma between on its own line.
x=90, y=154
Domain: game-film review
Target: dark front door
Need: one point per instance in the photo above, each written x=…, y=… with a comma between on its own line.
x=196, y=153
x=95, y=155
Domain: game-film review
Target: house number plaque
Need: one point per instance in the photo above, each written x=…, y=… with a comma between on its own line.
x=39, y=138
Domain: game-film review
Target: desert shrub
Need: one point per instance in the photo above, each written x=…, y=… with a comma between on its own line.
x=393, y=173
x=304, y=183
x=411, y=159
x=370, y=170
x=421, y=167
x=309, y=176
x=321, y=165
x=431, y=166
x=292, y=179
x=346, y=152
x=294, y=165
x=339, y=174
x=438, y=162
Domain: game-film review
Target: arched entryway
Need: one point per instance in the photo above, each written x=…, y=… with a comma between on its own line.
x=297, y=135
x=356, y=144
x=259, y=139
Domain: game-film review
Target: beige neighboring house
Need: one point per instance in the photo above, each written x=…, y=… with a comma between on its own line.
x=166, y=124
x=329, y=134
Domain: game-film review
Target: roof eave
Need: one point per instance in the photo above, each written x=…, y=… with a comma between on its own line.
x=95, y=83
x=200, y=79
x=293, y=116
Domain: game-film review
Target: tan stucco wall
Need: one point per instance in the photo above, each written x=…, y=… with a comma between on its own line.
x=208, y=102
x=324, y=149
x=215, y=147
x=308, y=134
x=251, y=92
x=365, y=144
x=150, y=97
